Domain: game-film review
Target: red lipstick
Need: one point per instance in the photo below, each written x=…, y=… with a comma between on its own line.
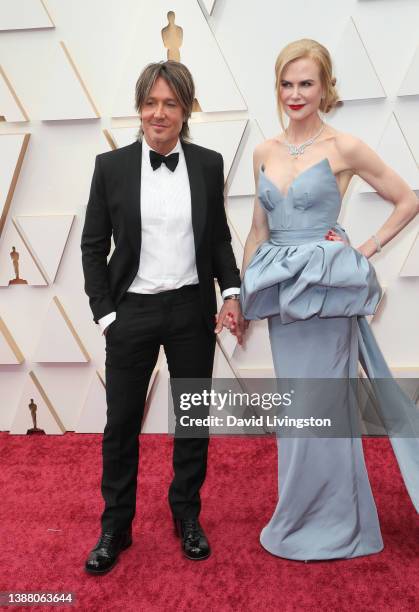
x=296, y=106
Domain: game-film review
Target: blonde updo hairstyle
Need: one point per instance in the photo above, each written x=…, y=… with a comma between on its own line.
x=306, y=47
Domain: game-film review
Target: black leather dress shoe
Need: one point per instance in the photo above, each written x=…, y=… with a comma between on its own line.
x=106, y=552
x=195, y=545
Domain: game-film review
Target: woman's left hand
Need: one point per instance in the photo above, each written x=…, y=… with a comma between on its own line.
x=332, y=235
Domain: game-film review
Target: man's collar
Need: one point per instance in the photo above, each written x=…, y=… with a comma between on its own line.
x=146, y=148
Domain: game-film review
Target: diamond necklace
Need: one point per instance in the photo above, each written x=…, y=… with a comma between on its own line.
x=296, y=150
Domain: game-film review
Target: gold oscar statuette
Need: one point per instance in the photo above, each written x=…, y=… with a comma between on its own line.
x=14, y=255
x=172, y=36
x=35, y=429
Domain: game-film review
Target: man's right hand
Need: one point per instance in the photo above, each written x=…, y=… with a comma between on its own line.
x=106, y=321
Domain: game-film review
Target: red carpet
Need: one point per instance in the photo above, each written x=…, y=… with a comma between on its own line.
x=50, y=507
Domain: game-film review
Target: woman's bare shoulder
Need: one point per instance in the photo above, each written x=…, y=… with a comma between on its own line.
x=263, y=149
x=347, y=144
x=265, y=145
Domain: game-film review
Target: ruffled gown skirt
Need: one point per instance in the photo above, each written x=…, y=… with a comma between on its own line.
x=326, y=509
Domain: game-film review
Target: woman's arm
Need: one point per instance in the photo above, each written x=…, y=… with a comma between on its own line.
x=259, y=231
x=364, y=162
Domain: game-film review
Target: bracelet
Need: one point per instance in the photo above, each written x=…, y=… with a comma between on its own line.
x=233, y=296
x=377, y=243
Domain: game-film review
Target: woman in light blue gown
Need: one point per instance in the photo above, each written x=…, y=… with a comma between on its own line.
x=302, y=274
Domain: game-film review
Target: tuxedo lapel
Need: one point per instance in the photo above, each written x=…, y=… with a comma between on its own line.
x=198, y=192
x=133, y=198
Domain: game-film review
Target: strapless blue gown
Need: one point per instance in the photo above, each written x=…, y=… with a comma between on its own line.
x=314, y=293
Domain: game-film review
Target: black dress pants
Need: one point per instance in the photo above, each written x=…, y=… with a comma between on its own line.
x=143, y=323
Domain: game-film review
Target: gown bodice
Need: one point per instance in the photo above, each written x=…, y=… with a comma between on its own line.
x=297, y=273
x=312, y=201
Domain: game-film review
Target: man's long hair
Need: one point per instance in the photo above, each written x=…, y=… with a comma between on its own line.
x=179, y=80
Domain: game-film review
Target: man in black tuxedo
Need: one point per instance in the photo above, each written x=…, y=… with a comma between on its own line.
x=162, y=200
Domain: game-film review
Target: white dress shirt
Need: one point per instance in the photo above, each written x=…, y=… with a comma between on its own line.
x=167, y=242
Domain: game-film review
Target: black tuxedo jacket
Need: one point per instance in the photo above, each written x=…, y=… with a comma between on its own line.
x=114, y=207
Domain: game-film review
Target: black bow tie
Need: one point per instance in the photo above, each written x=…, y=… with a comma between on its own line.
x=156, y=160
